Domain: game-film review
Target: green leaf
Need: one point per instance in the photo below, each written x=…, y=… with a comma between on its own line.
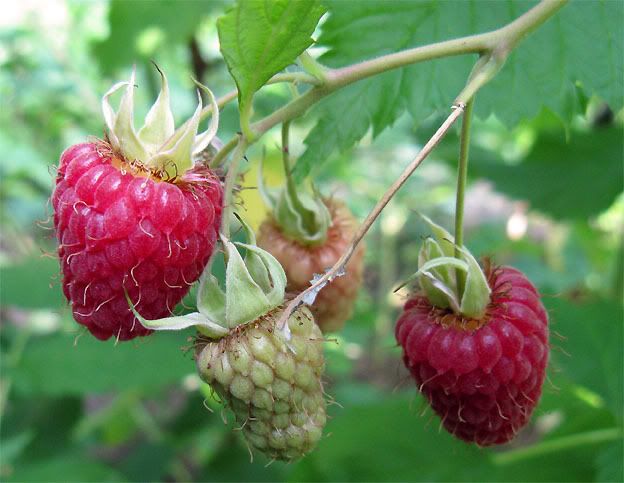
x=403, y=451
x=581, y=44
x=260, y=38
x=573, y=179
x=70, y=466
x=34, y=283
x=610, y=463
x=590, y=336
x=13, y=446
x=60, y=365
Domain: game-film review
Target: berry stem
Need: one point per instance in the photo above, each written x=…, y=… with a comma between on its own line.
x=286, y=153
x=338, y=267
x=230, y=181
x=306, y=215
x=227, y=148
x=462, y=172
x=290, y=77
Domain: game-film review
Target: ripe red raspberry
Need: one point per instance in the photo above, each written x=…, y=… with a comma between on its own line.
x=482, y=377
x=119, y=226
x=334, y=304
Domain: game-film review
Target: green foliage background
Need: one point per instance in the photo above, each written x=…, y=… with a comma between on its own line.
x=547, y=152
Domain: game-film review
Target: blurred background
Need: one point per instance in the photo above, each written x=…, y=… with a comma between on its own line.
x=543, y=196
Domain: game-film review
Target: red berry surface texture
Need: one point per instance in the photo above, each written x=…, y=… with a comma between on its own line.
x=119, y=227
x=334, y=304
x=482, y=377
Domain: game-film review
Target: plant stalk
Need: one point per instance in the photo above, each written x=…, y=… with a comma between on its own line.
x=227, y=148
x=308, y=218
x=462, y=173
x=498, y=43
x=230, y=182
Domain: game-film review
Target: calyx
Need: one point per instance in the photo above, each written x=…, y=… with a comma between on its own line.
x=437, y=269
x=158, y=146
x=301, y=214
x=254, y=285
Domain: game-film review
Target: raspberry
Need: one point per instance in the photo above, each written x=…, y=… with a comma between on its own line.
x=271, y=379
x=119, y=227
x=334, y=304
x=482, y=377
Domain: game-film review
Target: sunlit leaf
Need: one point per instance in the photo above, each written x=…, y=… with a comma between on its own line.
x=260, y=38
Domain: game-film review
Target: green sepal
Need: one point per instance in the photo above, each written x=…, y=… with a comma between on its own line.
x=253, y=285
x=121, y=133
x=477, y=292
x=158, y=145
x=211, y=298
x=159, y=123
x=437, y=275
x=195, y=319
x=431, y=250
x=301, y=215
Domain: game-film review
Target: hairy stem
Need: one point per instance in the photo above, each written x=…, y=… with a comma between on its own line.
x=338, y=267
x=290, y=77
x=306, y=215
x=227, y=148
x=285, y=149
x=462, y=172
x=290, y=184
x=497, y=43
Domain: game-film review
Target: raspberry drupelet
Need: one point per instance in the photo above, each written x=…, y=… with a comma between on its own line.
x=117, y=230
x=482, y=377
x=134, y=214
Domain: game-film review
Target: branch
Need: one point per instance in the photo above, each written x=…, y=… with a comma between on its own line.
x=293, y=77
x=496, y=45
x=339, y=266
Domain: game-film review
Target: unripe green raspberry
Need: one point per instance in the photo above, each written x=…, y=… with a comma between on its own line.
x=270, y=376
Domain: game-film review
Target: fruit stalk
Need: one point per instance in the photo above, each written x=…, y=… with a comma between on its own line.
x=462, y=172
x=230, y=181
x=308, y=219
